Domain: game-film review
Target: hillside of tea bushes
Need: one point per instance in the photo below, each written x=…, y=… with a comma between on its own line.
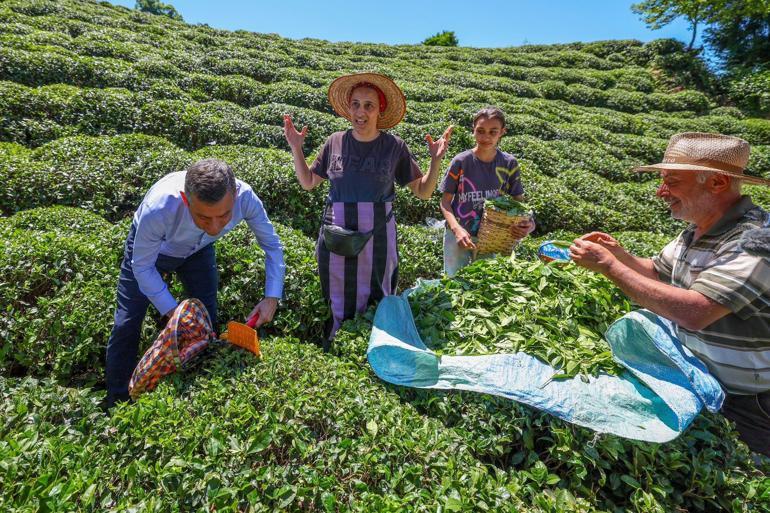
x=97, y=102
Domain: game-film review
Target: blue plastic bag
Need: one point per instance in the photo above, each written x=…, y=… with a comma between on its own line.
x=554, y=251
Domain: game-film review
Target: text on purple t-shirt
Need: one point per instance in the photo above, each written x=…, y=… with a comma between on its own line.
x=472, y=181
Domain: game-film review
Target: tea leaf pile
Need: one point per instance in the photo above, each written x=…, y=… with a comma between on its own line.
x=555, y=313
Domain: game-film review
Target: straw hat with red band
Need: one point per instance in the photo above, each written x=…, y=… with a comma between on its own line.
x=392, y=99
x=698, y=151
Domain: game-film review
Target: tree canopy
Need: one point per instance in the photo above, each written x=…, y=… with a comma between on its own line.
x=659, y=13
x=738, y=31
x=445, y=38
x=159, y=8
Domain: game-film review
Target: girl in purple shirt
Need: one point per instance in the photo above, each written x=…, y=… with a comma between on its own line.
x=473, y=176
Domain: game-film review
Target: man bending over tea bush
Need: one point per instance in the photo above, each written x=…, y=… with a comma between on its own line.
x=717, y=294
x=174, y=230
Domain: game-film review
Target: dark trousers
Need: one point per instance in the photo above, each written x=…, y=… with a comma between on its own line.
x=199, y=276
x=751, y=414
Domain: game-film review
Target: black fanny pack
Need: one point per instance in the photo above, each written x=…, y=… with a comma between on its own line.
x=344, y=242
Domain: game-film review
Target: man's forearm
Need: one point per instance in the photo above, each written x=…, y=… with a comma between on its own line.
x=275, y=270
x=679, y=305
x=642, y=266
x=151, y=284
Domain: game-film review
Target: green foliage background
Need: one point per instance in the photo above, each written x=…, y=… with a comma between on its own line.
x=445, y=38
x=97, y=102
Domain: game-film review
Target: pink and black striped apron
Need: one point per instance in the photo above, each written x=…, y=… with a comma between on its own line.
x=351, y=284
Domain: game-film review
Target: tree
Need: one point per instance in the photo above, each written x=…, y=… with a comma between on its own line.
x=159, y=8
x=446, y=38
x=736, y=31
x=739, y=33
x=659, y=13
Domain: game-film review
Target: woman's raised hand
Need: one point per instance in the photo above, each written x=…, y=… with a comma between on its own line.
x=294, y=138
x=438, y=148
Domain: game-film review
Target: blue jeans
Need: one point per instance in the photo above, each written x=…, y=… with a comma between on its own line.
x=200, y=278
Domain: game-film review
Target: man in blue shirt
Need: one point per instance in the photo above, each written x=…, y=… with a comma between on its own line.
x=174, y=230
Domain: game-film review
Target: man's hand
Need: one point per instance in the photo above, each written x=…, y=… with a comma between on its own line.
x=606, y=241
x=591, y=255
x=162, y=321
x=463, y=238
x=266, y=310
x=522, y=228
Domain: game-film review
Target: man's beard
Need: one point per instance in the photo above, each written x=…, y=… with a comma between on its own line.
x=702, y=203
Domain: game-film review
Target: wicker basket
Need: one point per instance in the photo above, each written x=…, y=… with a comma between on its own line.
x=495, y=232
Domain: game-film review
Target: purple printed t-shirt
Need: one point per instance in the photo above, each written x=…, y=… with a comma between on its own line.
x=365, y=171
x=472, y=181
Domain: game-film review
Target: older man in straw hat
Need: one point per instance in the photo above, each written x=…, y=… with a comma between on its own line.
x=717, y=294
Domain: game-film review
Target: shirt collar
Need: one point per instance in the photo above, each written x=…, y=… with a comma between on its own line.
x=731, y=216
x=725, y=223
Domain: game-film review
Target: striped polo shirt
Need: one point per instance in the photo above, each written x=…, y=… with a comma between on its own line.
x=736, y=348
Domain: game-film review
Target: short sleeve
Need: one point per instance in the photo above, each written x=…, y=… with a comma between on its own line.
x=407, y=168
x=736, y=280
x=321, y=162
x=451, y=179
x=663, y=262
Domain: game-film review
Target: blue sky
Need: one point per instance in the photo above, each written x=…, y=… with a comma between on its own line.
x=485, y=23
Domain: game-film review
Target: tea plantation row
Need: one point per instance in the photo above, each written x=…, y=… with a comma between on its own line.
x=36, y=115
x=109, y=175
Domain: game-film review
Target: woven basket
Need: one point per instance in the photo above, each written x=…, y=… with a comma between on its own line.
x=495, y=232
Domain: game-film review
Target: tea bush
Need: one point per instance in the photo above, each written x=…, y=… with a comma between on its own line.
x=493, y=306
x=110, y=175
x=59, y=270
x=293, y=432
x=640, y=243
x=52, y=260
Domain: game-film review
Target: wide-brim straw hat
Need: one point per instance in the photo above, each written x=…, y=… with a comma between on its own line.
x=699, y=151
x=339, y=97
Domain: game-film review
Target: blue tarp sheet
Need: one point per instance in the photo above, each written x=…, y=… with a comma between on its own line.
x=662, y=390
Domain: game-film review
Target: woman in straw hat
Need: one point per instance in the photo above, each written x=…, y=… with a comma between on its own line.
x=356, y=250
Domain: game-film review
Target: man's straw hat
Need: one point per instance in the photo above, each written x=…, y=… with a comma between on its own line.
x=698, y=151
x=395, y=101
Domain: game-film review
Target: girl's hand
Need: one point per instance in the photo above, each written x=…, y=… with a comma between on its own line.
x=522, y=228
x=463, y=238
x=438, y=148
x=294, y=138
